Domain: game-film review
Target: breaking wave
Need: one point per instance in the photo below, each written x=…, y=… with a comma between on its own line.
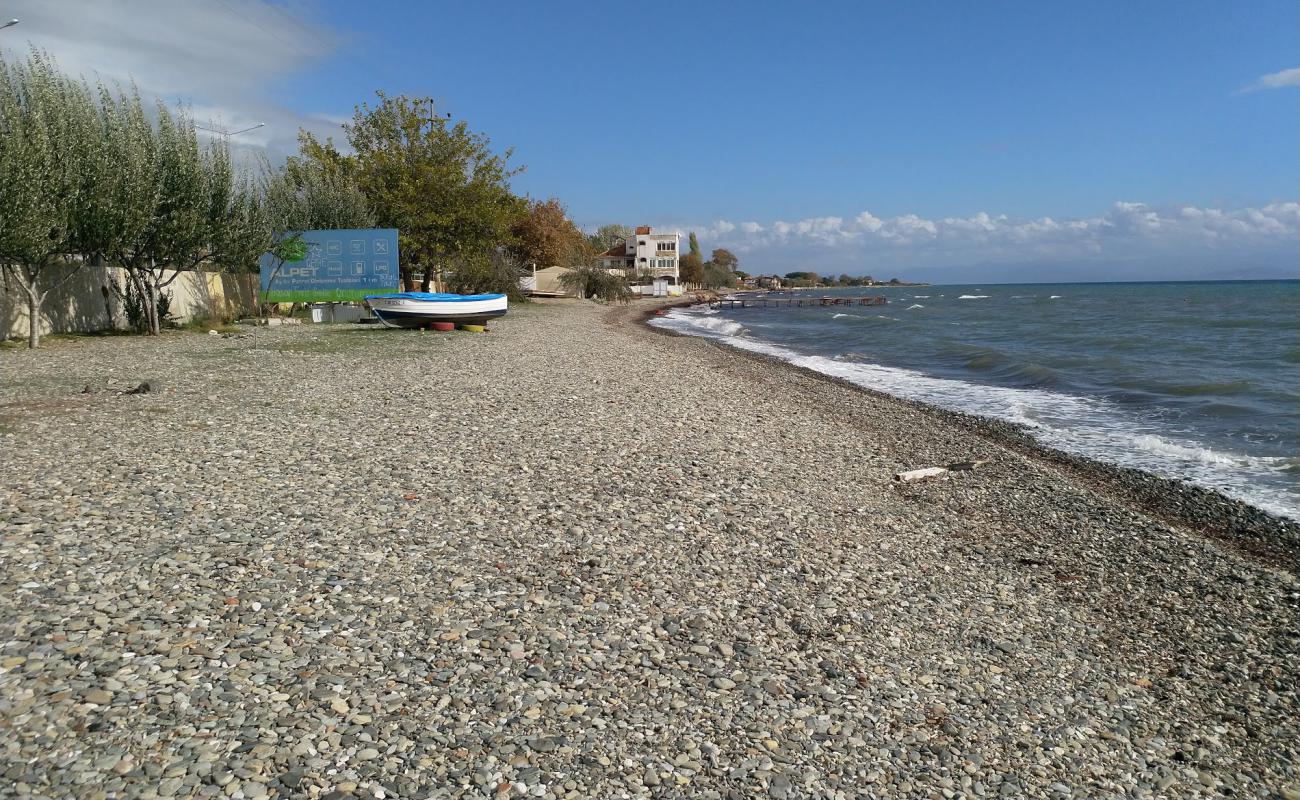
x=1090, y=426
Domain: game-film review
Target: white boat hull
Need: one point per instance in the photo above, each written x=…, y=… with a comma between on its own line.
x=406, y=312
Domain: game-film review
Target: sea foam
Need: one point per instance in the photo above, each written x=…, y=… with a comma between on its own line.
x=1090, y=426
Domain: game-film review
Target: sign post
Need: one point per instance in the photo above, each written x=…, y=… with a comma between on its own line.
x=332, y=267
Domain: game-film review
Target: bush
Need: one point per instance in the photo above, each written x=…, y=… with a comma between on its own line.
x=495, y=273
x=595, y=283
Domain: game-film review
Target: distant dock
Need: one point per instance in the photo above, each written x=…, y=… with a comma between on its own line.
x=765, y=301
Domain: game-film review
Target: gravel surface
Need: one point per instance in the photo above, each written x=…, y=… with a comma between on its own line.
x=573, y=558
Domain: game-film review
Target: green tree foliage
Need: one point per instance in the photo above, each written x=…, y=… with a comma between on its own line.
x=606, y=236
x=802, y=278
x=717, y=276
x=172, y=204
x=319, y=189
x=90, y=176
x=47, y=144
x=440, y=184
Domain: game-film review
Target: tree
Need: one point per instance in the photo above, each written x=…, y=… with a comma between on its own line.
x=717, y=276
x=695, y=247
x=691, y=268
x=725, y=259
x=845, y=280
x=47, y=144
x=606, y=236
x=802, y=278
x=440, y=184
x=319, y=189
x=544, y=235
x=163, y=204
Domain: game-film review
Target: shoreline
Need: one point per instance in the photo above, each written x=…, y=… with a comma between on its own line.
x=1249, y=530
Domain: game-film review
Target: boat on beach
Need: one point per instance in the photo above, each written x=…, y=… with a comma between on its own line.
x=422, y=309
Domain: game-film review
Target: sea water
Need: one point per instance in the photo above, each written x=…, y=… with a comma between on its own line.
x=1196, y=381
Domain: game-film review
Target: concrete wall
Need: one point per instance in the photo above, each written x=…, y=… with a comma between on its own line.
x=87, y=302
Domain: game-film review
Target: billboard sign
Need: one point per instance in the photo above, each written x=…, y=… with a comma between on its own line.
x=332, y=266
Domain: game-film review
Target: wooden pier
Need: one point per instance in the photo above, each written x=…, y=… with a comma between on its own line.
x=793, y=301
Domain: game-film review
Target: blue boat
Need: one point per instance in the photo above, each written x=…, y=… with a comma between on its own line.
x=422, y=309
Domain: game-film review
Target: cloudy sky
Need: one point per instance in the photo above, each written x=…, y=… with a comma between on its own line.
x=1002, y=141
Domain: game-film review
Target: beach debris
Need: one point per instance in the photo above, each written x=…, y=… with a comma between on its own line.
x=918, y=474
x=931, y=472
x=143, y=388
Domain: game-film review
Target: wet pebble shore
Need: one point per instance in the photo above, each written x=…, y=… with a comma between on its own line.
x=573, y=558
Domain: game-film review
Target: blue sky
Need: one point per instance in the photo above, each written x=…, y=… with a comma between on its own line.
x=957, y=128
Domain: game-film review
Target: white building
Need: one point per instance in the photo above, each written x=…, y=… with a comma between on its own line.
x=647, y=258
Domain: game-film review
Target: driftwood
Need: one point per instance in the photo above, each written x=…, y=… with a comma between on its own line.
x=931, y=472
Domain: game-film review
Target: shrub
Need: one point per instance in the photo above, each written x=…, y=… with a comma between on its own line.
x=591, y=282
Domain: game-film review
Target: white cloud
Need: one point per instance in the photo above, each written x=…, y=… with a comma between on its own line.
x=1275, y=80
x=867, y=222
x=220, y=58
x=1126, y=230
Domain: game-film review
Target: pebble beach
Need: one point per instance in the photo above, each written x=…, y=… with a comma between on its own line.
x=578, y=558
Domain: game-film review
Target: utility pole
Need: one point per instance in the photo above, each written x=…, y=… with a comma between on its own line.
x=231, y=133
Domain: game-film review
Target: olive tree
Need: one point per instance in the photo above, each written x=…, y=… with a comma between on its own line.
x=46, y=143
x=166, y=204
